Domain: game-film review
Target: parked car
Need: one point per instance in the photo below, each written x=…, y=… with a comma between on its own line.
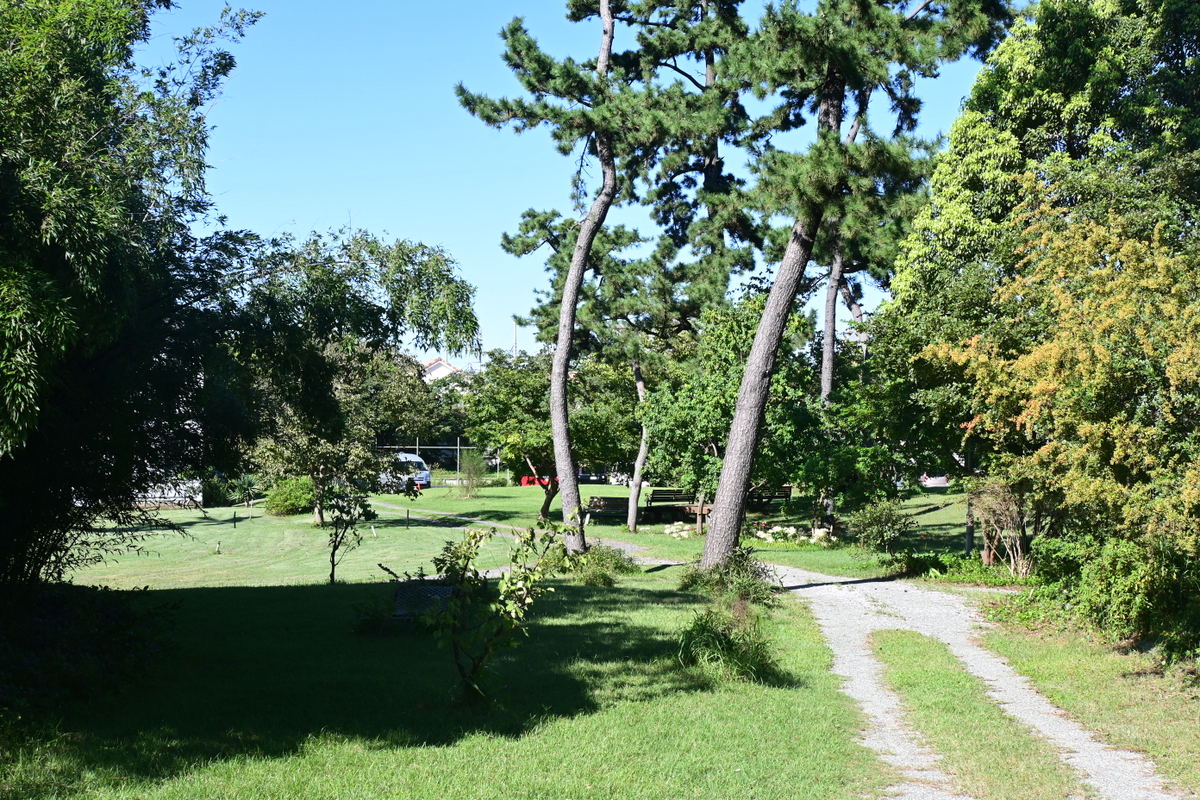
x=412, y=467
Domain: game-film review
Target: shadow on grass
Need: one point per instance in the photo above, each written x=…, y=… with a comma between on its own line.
x=258, y=670
x=496, y=515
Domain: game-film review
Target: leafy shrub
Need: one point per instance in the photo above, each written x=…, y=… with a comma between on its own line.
x=493, y=482
x=881, y=526
x=597, y=567
x=730, y=643
x=480, y=617
x=290, y=496
x=1144, y=590
x=215, y=491
x=741, y=576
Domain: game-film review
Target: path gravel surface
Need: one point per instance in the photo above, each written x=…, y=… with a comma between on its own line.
x=848, y=610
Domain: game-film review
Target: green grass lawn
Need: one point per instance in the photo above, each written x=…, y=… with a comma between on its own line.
x=267, y=693
x=987, y=753
x=940, y=517
x=273, y=551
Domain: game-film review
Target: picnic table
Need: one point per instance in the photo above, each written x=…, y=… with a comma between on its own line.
x=700, y=511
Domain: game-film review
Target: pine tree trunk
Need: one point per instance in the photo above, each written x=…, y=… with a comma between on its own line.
x=830, y=340
x=729, y=505
x=564, y=459
x=730, y=501
x=639, y=464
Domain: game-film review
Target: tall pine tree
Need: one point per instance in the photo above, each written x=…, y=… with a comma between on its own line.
x=820, y=65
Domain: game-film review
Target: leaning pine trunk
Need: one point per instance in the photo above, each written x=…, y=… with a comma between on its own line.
x=730, y=501
x=635, y=488
x=729, y=505
x=564, y=459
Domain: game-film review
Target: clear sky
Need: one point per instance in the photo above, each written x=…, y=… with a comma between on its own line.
x=343, y=114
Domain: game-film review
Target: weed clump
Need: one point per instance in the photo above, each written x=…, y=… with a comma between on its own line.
x=599, y=566
x=727, y=638
x=740, y=575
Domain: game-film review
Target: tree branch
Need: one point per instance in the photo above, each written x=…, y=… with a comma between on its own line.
x=912, y=14
x=684, y=73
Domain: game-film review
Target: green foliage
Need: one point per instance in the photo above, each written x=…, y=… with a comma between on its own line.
x=506, y=411
x=290, y=496
x=689, y=416
x=480, y=618
x=729, y=643
x=881, y=526
x=111, y=309
x=1045, y=307
x=740, y=576
x=597, y=566
x=215, y=491
x=472, y=471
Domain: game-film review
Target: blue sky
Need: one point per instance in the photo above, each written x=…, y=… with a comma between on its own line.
x=344, y=115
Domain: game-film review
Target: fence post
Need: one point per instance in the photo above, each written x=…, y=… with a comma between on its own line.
x=458, y=455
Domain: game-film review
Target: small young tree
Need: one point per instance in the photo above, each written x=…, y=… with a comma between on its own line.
x=472, y=470
x=347, y=507
x=477, y=620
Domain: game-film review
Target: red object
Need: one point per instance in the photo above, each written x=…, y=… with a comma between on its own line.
x=534, y=480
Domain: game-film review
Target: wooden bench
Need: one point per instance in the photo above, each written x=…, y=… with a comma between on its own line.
x=664, y=502
x=606, y=507
x=763, y=498
x=670, y=496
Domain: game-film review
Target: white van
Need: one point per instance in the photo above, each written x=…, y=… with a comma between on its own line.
x=412, y=466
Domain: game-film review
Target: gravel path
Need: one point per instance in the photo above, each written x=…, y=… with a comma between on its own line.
x=849, y=610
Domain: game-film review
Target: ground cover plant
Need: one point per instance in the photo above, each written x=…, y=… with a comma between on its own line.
x=269, y=693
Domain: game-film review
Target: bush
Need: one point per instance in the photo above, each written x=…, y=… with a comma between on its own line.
x=596, y=567
x=740, y=576
x=215, y=491
x=290, y=496
x=494, y=482
x=730, y=643
x=881, y=526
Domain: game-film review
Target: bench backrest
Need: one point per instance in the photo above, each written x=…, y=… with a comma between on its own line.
x=601, y=502
x=670, y=496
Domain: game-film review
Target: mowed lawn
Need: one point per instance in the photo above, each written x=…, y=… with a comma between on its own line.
x=940, y=516
x=274, y=551
x=267, y=692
